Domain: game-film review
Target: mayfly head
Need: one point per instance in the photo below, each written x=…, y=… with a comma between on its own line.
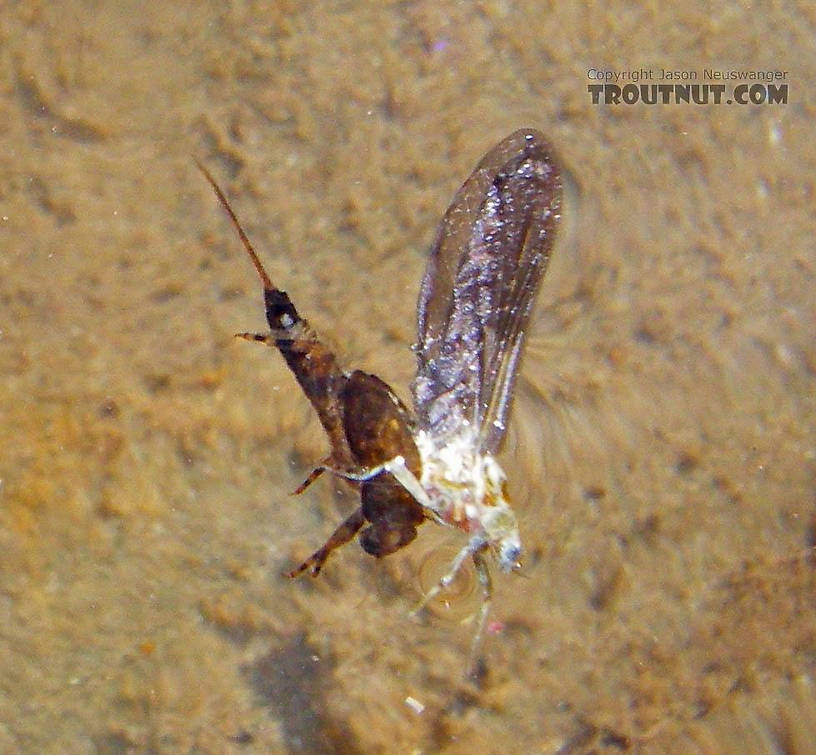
x=508, y=549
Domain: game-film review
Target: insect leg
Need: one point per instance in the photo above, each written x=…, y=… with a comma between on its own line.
x=347, y=530
x=474, y=546
x=483, y=573
x=402, y=475
x=408, y=480
x=266, y=338
x=395, y=466
x=313, y=475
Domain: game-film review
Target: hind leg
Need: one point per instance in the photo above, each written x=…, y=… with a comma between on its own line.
x=345, y=532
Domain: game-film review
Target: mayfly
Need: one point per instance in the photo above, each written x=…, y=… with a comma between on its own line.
x=437, y=462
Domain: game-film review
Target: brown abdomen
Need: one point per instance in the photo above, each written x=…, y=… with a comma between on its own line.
x=378, y=428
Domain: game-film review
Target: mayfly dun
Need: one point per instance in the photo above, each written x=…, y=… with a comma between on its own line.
x=437, y=462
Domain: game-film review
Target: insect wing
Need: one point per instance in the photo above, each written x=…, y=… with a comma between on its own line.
x=490, y=253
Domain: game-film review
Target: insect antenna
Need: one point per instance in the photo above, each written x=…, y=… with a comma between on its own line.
x=265, y=279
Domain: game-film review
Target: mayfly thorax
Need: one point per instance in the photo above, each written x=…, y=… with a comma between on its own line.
x=437, y=462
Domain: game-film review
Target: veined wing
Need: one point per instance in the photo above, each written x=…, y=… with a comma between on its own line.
x=490, y=253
